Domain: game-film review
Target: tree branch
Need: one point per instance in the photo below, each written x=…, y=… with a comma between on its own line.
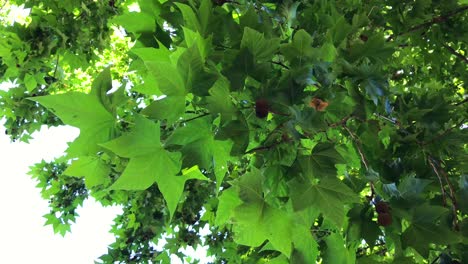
x=461, y=102
x=434, y=20
x=456, y=53
x=280, y=64
x=193, y=118
x=439, y=170
x=358, y=146
x=442, y=188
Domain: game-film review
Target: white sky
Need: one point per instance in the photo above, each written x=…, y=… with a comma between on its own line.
x=24, y=238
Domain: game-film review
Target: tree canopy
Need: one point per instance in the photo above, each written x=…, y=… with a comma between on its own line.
x=267, y=131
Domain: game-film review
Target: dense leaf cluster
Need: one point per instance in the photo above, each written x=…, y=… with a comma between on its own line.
x=267, y=131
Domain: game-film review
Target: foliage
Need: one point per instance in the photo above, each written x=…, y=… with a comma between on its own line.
x=295, y=131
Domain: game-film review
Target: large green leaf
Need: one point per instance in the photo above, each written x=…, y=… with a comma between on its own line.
x=329, y=196
x=201, y=148
x=93, y=169
x=150, y=163
x=300, y=49
x=136, y=22
x=262, y=49
x=425, y=229
x=336, y=251
x=255, y=221
x=85, y=112
x=321, y=163
x=219, y=101
x=228, y=200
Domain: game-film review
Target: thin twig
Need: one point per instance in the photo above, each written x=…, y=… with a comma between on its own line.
x=461, y=102
x=434, y=20
x=193, y=118
x=456, y=53
x=358, y=146
x=442, y=188
x=262, y=148
x=452, y=197
x=280, y=125
x=280, y=64
x=435, y=260
x=439, y=170
x=56, y=65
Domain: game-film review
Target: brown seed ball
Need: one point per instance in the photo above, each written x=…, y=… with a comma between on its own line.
x=261, y=108
x=384, y=219
x=382, y=207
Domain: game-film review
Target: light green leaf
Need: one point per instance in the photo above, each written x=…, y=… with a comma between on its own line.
x=170, y=109
x=30, y=82
x=85, y=112
x=136, y=22
x=336, y=251
x=219, y=101
x=328, y=52
x=93, y=169
x=305, y=246
x=256, y=222
x=190, y=18
x=228, y=200
x=149, y=163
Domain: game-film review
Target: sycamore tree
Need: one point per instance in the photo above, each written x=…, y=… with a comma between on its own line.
x=266, y=131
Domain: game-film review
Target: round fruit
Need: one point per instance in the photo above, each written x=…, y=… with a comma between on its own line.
x=384, y=219
x=261, y=108
x=382, y=207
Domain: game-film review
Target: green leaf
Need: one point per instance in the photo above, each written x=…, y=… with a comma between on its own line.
x=255, y=221
x=93, y=169
x=149, y=163
x=420, y=235
x=201, y=148
x=329, y=196
x=321, y=163
x=219, y=101
x=170, y=108
x=411, y=188
x=305, y=246
x=190, y=18
x=328, y=52
x=159, y=63
x=228, y=200
x=300, y=49
x=85, y=112
x=101, y=85
x=30, y=82
x=424, y=229
x=136, y=22
x=336, y=252
x=262, y=49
